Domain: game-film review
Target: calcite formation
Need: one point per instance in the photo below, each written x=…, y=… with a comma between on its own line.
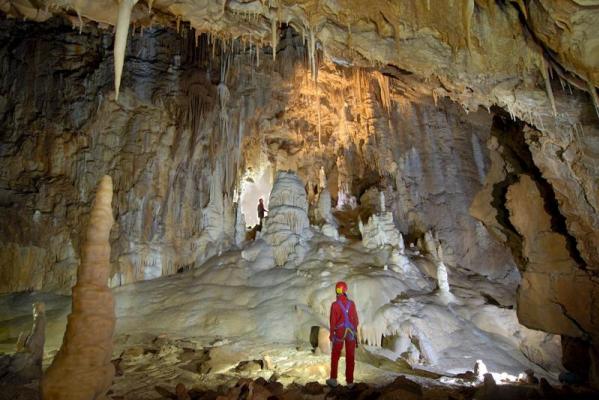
x=380, y=230
x=25, y=365
x=120, y=40
x=169, y=209
x=82, y=369
x=287, y=227
x=455, y=108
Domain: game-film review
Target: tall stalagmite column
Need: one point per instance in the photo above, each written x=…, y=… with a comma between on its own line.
x=82, y=368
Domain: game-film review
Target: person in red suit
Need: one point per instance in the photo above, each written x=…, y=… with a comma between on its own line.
x=344, y=330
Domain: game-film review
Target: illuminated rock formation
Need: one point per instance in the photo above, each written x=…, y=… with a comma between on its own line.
x=324, y=215
x=287, y=227
x=82, y=368
x=120, y=41
x=380, y=230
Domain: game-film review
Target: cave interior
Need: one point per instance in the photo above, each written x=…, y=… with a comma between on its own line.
x=439, y=156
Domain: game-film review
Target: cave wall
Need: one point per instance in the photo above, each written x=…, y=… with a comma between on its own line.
x=170, y=134
x=61, y=133
x=540, y=199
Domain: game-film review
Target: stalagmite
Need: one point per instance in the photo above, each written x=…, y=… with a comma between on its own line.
x=82, y=369
x=442, y=281
x=26, y=364
x=34, y=343
x=239, y=226
x=324, y=213
x=380, y=230
x=287, y=227
x=120, y=41
x=322, y=178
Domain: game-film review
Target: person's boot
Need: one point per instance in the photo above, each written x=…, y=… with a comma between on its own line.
x=332, y=383
x=350, y=385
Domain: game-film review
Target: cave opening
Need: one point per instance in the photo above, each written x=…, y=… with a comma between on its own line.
x=255, y=186
x=398, y=150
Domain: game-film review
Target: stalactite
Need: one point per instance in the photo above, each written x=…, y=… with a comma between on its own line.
x=312, y=54
x=120, y=41
x=545, y=73
x=275, y=36
x=82, y=369
x=318, y=110
x=594, y=98
x=467, y=15
x=80, y=20
x=258, y=50
x=522, y=8
x=150, y=3
x=383, y=82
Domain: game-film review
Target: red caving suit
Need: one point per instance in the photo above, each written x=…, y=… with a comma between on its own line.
x=336, y=337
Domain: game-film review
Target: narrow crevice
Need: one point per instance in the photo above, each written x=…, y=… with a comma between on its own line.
x=585, y=335
x=516, y=152
x=513, y=238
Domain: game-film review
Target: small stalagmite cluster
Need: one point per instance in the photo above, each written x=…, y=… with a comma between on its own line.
x=82, y=369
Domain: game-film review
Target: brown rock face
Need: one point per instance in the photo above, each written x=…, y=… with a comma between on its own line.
x=82, y=369
x=540, y=200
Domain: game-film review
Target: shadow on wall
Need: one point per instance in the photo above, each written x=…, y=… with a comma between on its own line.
x=255, y=186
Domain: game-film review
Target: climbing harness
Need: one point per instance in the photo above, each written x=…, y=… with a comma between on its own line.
x=349, y=327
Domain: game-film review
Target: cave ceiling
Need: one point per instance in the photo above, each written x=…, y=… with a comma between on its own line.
x=478, y=53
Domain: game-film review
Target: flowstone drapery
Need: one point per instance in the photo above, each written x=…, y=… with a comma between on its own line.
x=82, y=369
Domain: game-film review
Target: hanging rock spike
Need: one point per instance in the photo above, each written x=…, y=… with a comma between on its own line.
x=594, y=98
x=120, y=41
x=545, y=73
x=274, y=29
x=468, y=12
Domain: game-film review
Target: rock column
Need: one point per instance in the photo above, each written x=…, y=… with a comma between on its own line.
x=82, y=369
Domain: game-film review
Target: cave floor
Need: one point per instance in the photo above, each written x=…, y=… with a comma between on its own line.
x=238, y=318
